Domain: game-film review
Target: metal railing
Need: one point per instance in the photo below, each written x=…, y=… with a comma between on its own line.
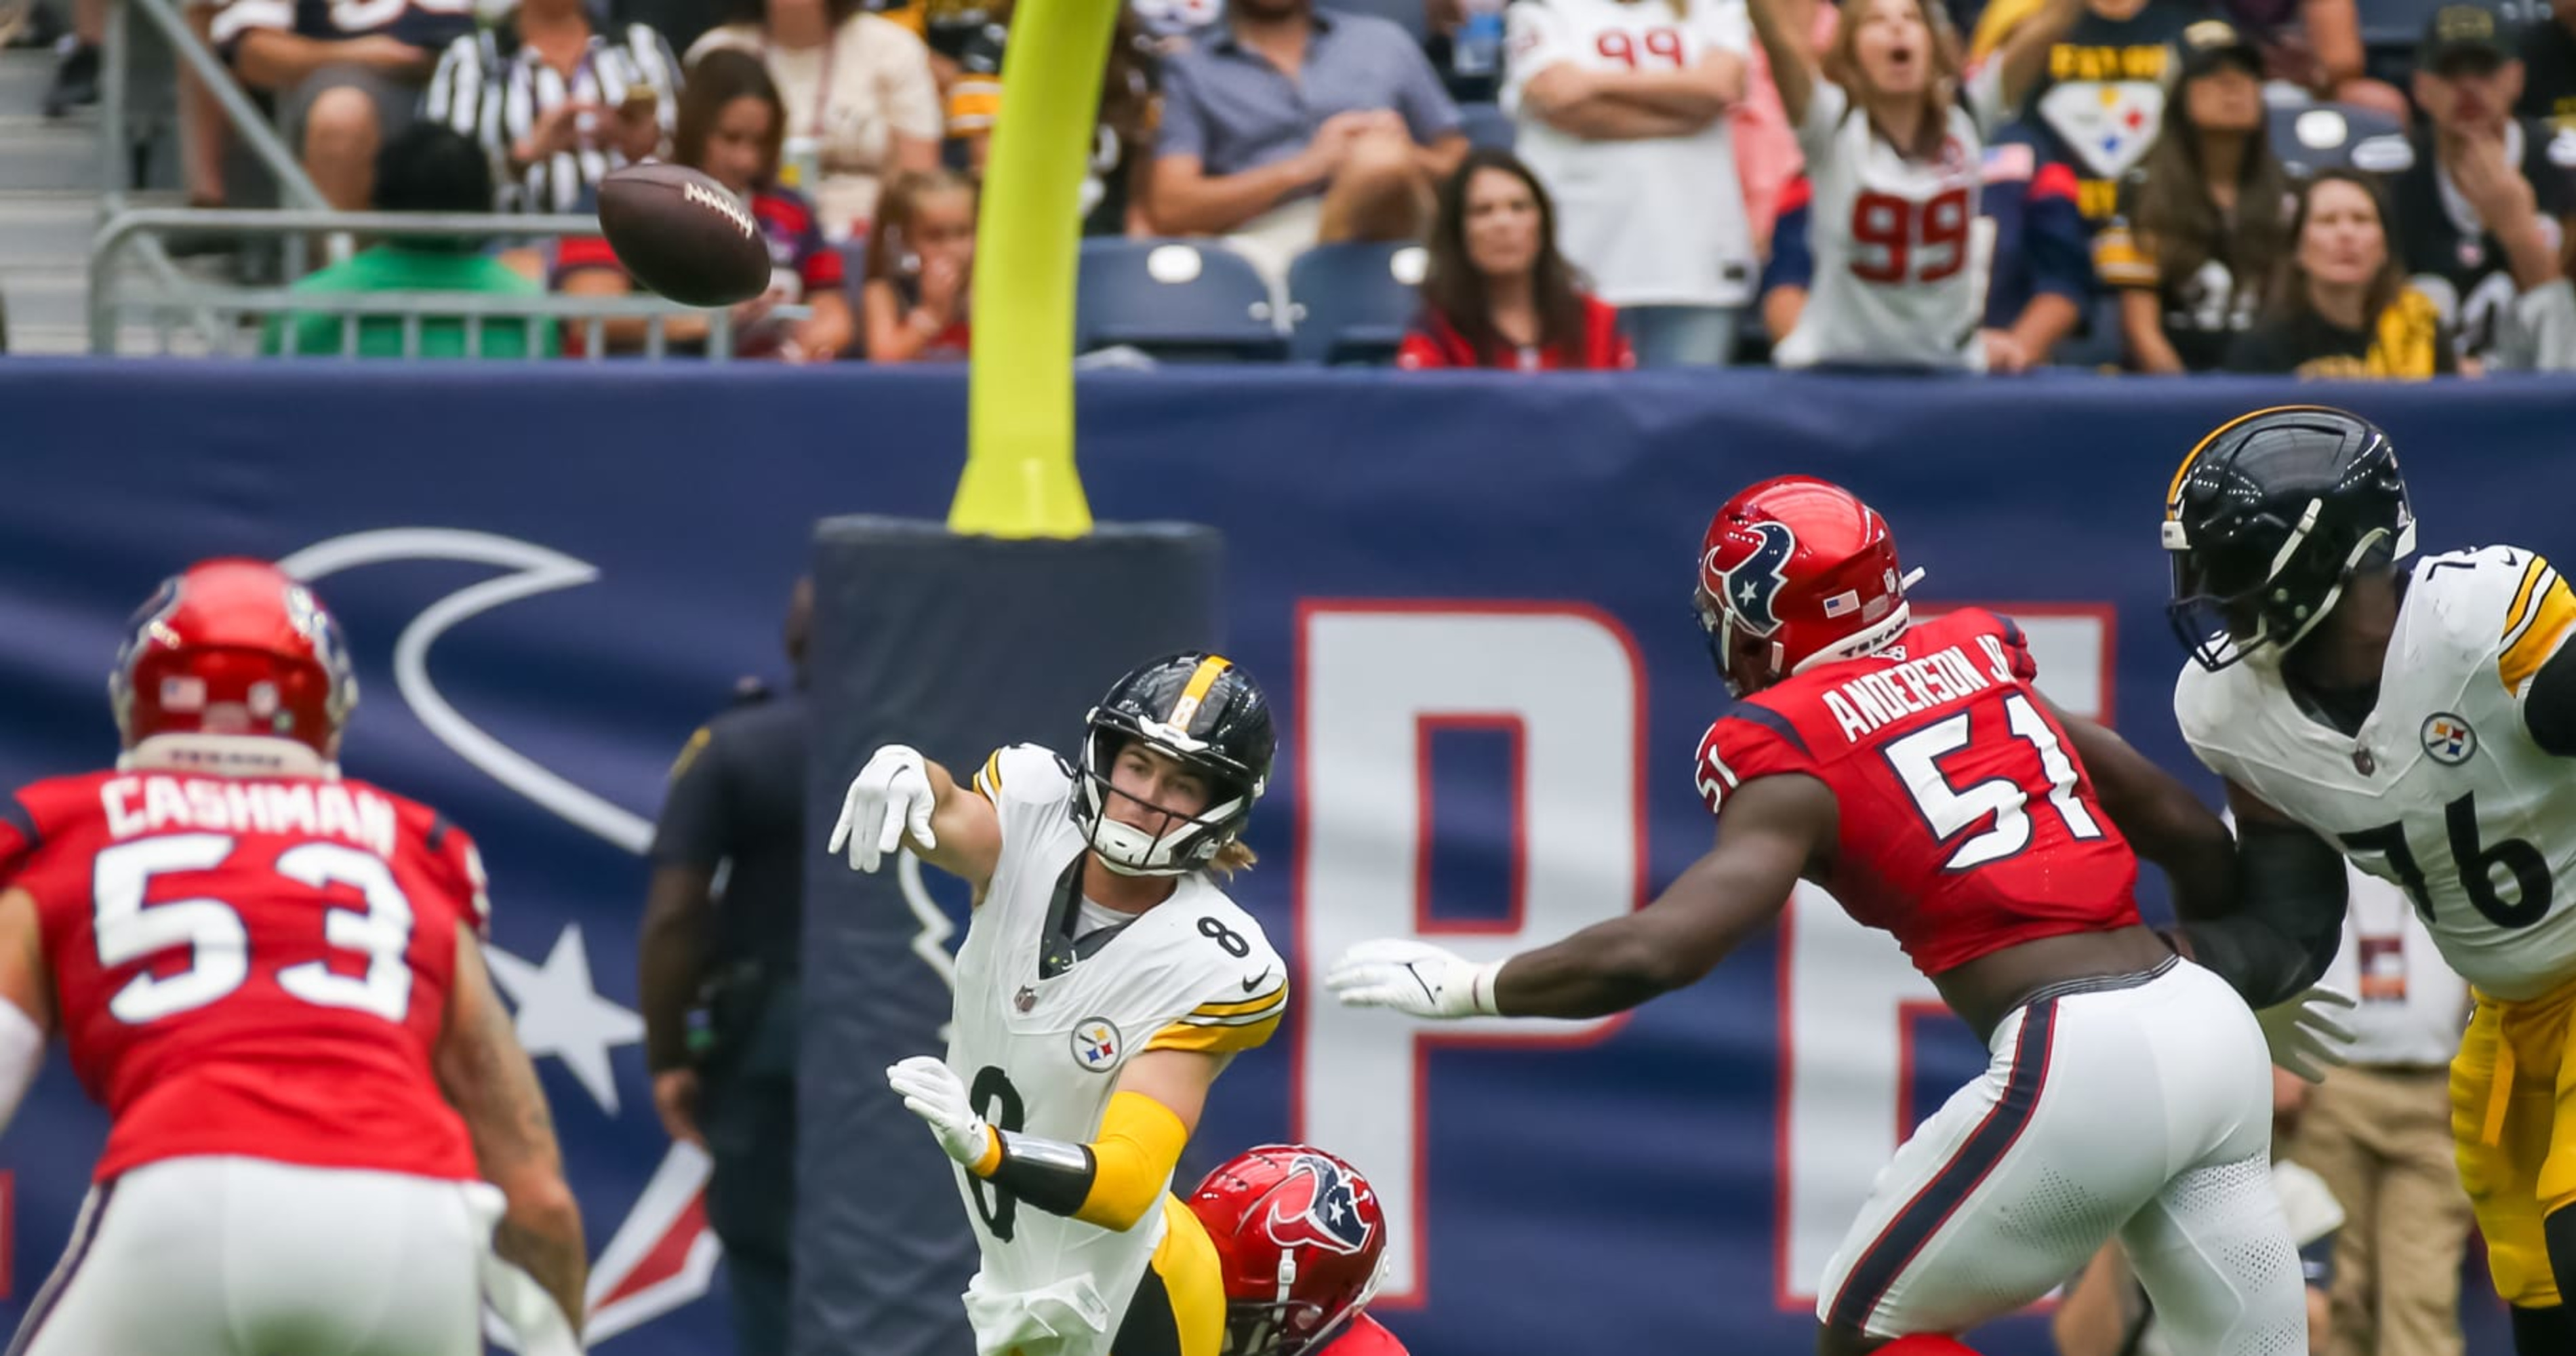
x=222, y=313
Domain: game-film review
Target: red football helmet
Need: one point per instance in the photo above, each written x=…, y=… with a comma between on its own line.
x=1796, y=572
x=1300, y=1239
x=233, y=647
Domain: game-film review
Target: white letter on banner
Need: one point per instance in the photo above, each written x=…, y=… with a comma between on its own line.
x=1848, y=994
x=1372, y=677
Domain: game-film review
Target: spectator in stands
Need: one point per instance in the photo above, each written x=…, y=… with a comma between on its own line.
x=1497, y=292
x=1766, y=147
x=2202, y=226
x=2099, y=104
x=2480, y=214
x=1290, y=125
x=1625, y=110
x=1895, y=140
x=919, y=261
x=347, y=77
x=427, y=168
x=861, y=103
x=1122, y=153
x=2378, y=1131
x=730, y=121
x=2341, y=306
x=556, y=103
x=2315, y=47
x=75, y=83
x=2037, y=276
x=2549, y=67
x=2106, y=1311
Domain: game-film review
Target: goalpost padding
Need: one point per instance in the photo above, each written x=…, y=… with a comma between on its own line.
x=955, y=645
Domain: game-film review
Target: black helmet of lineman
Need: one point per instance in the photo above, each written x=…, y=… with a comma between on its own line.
x=1201, y=710
x=2267, y=519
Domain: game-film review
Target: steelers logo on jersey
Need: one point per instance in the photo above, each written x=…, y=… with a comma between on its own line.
x=1097, y=1045
x=2449, y=739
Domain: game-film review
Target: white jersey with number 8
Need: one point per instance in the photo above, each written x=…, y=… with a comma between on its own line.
x=1040, y=1048
x=1896, y=282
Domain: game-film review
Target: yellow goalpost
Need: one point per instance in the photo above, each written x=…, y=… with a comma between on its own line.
x=1020, y=479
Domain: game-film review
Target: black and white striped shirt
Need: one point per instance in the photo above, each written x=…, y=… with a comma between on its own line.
x=494, y=89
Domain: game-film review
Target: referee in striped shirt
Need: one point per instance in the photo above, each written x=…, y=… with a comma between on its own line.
x=555, y=103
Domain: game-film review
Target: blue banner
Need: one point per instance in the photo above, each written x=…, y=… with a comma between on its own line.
x=1467, y=594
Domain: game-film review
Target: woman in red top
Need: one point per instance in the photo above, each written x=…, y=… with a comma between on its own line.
x=1497, y=293
x=731, y=126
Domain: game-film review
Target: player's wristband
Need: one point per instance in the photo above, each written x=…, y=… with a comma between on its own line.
x=1480, y=989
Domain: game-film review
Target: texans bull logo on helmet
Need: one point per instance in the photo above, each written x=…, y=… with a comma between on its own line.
x=1751, y=561
x=1317, y=1205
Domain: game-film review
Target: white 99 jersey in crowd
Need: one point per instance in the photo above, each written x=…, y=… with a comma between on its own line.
x=1656, y=221
x=2443, y=791
x=1896, y=281
x=1041, y=1054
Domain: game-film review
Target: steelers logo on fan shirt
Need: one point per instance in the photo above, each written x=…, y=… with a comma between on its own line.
x=2449, y=739
x=1097, y=1045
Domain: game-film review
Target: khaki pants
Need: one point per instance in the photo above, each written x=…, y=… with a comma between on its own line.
x=2381, y=1138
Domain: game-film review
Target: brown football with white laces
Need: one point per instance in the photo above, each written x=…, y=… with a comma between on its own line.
x=684, y=235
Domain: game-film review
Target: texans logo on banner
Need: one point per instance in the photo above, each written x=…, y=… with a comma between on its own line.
x=660, y=1255
x=2108, y=124
x=1316, y=1205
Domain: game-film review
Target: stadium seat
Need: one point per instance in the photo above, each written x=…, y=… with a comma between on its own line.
x=1410, y=15
x=1489, y=126
x=1179, y=300
x=1350, y=303
x=2311, y=137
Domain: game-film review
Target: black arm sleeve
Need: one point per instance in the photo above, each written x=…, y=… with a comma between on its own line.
x=2288, y=920
x=2549, y=707
x=1049, y=1174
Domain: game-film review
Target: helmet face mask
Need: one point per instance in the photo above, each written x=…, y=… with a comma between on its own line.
x=2269, y=519
x=1200, y=711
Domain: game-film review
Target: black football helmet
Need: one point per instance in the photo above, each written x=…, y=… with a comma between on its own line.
x=2266, y=520
x=1201, y=710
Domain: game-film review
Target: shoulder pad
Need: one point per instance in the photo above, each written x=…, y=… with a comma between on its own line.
x=1023, y=772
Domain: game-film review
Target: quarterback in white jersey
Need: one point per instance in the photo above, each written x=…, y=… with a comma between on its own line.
x=1895, y=147
x=2416, y=718
x=1104, y=983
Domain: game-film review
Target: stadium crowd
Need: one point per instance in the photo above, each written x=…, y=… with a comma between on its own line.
x=2336, y=187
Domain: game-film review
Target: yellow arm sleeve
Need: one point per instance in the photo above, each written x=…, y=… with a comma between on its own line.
x=1139, y=1146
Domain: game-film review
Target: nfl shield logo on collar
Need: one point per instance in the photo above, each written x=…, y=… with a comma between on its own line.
x=1025, y=999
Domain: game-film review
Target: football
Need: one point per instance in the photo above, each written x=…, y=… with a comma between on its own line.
x=683, y=235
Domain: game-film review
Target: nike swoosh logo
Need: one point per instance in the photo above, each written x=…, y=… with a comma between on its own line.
x=1253, y=985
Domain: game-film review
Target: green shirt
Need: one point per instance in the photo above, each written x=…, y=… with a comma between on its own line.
x=400, y=268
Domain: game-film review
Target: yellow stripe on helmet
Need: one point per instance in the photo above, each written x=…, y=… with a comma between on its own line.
x=1195, y=691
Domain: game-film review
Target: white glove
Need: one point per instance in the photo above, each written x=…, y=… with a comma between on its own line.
x=1412, y=977
x=938, y=1097
x=2307, y=1033
x=889, y=798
